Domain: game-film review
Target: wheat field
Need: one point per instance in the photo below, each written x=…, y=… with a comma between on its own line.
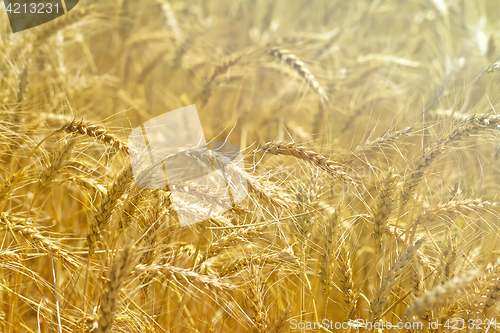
x=370, y=140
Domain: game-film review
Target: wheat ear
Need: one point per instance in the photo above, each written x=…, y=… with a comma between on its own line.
x=300, y=67
x=346, y=278
x=237, y=237
x=452, y=208
x=441, y=293
x=91, y=185
x=98, y=132
x=449, y=259
x=383, y=208
x=55, y=165
x=330, y=228
x=255, y=297
x=492, y=290
x=302, y=153
x=205, y=194
x=376, y=145
x=123, y=265
x=82, y=167
x=136, y=197
x=103, y=215
x=469, y=126
x=23, y=83
x=377, y=305
x=419, y=262
x=220, y=69
x=280, y=326
x=35, y=237
x=189, y=276
x=151, y=227
x=262, y=189
x=273, y=259
x=54, y=26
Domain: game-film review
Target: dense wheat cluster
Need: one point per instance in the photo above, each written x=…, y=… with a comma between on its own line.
x=370, y=137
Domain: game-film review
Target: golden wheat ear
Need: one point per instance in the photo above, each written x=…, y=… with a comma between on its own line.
x=72, y=17
x=101, y=218
x=383, y=208
x=302, y=153
x=330, y=235
x=441, y=293
x=123, y=265
x=292, y=60
x=97, y=132
x=219, y=70
x=474, y=124
x=383, y=293
x=55, y=165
